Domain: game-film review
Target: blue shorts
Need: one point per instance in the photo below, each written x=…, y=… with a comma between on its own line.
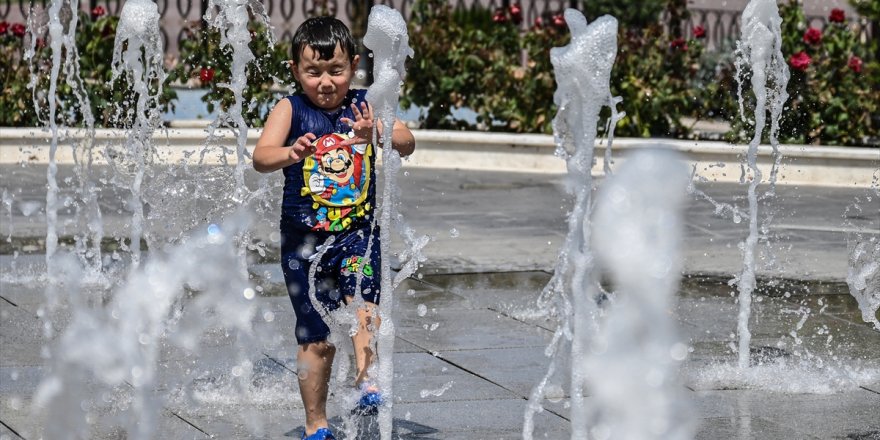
x=340, y=265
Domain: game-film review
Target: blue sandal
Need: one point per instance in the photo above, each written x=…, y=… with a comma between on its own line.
x=320, y=434
x=370, y=401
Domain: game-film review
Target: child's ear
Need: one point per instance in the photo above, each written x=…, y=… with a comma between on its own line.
x=293, y=69
x=354, y=62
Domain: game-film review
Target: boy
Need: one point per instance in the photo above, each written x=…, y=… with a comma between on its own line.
x=321, y=138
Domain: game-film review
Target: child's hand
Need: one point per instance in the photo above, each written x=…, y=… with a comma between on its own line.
x=362, y=125
x=303, y=147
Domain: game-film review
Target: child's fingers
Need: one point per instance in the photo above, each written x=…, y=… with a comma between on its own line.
x=367, y=111
x=356, y=111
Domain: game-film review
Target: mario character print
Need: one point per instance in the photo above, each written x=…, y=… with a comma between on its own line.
x=338, y=179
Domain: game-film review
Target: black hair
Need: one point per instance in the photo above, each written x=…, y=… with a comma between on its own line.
x=323, y=34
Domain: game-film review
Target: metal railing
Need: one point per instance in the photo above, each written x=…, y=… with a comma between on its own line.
x=722, y=26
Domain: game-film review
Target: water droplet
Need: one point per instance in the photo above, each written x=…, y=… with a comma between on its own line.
x=678, y=351
x=554, y=393
x=454, y=233
x=422, y=309
x=248, y=293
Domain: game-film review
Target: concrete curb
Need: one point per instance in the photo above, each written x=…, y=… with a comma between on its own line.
x=711, y=161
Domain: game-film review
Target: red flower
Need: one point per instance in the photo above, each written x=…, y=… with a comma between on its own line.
x=98, y=12
x=558, y=20
x=855, y=63
x=4, y=26
x=837, y=16
x=539, y=23
x=699, y=32
x=679, y=43
x=813, y=36
x=499, y=16
x=515, y=13
x=799, y=61
x=18, y=29
x=206, y=74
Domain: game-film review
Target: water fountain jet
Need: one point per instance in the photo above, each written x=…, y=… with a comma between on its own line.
x=137, y=54
x=761, y=49
x=387, y=37
x=583, y=72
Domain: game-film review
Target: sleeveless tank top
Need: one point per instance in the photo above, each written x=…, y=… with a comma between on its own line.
x=334, y=189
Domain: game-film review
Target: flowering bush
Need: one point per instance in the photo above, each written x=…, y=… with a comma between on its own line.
x=833, y=90
x=16, y=105
x=655, y=75
x=833, y=93
x=466, y=59
x=94, y=42
x=203, y=62
x=473, y=60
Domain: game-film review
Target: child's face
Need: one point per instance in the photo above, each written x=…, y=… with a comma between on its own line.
x=325, y=82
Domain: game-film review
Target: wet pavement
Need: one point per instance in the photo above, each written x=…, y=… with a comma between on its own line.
x=469, y=343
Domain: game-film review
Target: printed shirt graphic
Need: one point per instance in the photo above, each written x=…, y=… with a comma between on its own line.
x=337, y=178
x=332, y=190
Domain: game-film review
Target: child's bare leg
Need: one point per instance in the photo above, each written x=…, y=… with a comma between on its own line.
x=314, y=364
x=368, y=324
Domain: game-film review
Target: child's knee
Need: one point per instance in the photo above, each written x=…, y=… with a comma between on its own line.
x=319, y=348
x=314, y=357
x=368, y=315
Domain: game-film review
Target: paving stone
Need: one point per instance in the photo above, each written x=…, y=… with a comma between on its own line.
x=803, y=415
x=425, y=378
x=490, y=348
x=746, y=428
x=485, y=329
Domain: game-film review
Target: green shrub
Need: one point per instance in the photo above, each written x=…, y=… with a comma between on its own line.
x=463, y=60
x=656, y=75
x=95, y=36
x=834, y=93
x=205, y=63
x=16, y=104
x=108, y=100
x=634, y=14
x=474, y=60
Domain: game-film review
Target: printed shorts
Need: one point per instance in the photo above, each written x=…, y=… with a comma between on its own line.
x=337, y=265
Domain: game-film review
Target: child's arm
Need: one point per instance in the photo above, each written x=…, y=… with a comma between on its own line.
x=402, y=138
x=271, y=154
